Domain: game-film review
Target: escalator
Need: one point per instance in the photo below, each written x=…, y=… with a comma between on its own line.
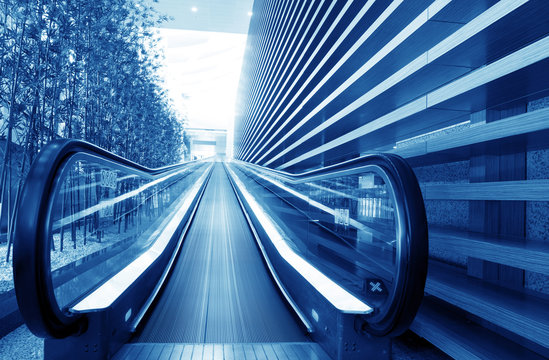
x=217, y=260
x=220, y=290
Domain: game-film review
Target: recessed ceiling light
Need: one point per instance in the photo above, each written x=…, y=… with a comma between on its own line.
x=194, y=9
x=250, y=13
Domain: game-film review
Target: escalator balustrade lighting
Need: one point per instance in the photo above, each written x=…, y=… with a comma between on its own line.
x=106, y=294
x=334, y=293
x=357, y=233
x=95, y=237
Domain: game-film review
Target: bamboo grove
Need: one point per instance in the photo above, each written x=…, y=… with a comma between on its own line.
x=81, y=69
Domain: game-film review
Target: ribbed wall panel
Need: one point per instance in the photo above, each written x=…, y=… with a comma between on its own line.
x=461, y=90
x=325, y=81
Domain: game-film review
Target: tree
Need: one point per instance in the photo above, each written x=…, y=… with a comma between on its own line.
x=85, y=70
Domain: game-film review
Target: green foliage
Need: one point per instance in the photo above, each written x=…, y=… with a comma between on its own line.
x=86, y=70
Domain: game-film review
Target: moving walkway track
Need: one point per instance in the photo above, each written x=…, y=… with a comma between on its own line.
x=213, y=260
x=220, y=290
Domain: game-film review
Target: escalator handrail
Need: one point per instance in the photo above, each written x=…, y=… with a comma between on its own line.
x=31, y=261
x=412, y=271
x=339, y=169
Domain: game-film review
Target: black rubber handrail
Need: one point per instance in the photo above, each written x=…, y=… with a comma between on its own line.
x=31, y=261
x=412, y=269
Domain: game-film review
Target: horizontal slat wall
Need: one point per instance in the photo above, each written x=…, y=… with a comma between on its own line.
x=532, y=190
x=336, y=79
x=528, y=256
x=460, y=338
x=458, y=88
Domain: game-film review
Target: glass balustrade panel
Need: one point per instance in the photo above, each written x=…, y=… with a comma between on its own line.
x=345, y=225
x=104, y=216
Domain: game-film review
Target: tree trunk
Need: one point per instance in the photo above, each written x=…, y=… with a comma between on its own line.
x=5, y=176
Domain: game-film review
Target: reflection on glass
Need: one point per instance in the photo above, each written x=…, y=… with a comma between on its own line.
x=344, y=224
x=103, y=216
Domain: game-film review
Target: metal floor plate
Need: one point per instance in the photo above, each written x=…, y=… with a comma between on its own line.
x=236, y=351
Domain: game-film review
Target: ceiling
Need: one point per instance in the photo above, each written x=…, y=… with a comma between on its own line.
x=229, y=16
